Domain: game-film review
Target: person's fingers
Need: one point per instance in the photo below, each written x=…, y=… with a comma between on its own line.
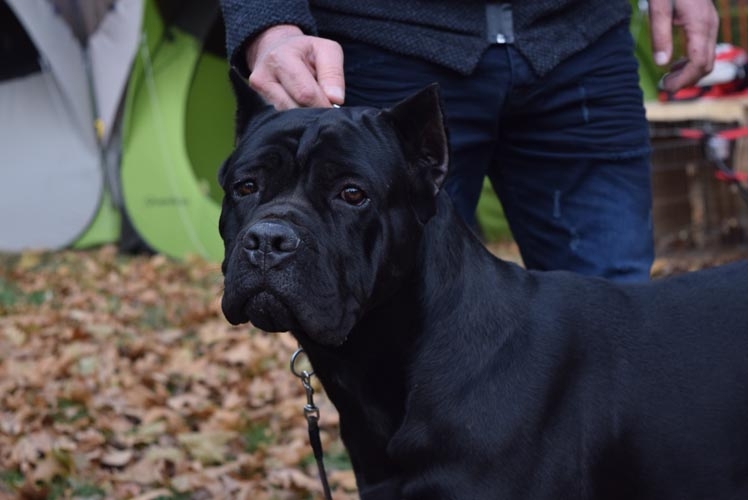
x=687, y=75
x=661, y=28
x=274, y=93
x=700, y=23
x=284, y=78
x=700, y=59
x=300, y=71
x=327, y=60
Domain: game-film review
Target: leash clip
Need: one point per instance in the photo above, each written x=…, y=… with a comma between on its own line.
x=311, y=412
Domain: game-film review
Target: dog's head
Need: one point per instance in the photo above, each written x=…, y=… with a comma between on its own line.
x=323, y=209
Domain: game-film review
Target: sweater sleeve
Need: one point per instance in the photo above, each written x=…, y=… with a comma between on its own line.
x=245, y=19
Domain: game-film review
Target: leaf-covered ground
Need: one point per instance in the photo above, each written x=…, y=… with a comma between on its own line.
x=119, y=378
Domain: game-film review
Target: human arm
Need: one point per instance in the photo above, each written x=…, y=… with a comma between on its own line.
x=700, y=23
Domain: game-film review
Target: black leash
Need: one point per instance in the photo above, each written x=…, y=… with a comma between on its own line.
x=311, y=412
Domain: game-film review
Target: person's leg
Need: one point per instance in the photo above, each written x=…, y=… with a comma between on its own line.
x=591, y=217
x=572, y=169
x=472, y=104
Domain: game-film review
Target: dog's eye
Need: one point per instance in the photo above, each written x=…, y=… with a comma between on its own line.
x=245, y=187
x=353, y=195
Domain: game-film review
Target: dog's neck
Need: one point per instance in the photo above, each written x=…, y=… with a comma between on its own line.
x=369, y=377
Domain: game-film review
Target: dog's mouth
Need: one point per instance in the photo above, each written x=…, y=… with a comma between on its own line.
x=263, y=309
x=286, y=300
x=271, y=312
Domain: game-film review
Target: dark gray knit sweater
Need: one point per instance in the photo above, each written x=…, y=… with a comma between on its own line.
x=449, y=33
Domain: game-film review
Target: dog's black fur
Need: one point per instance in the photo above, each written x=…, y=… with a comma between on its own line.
x=457, y=375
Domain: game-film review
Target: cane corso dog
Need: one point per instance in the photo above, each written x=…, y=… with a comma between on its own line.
x=458, y=375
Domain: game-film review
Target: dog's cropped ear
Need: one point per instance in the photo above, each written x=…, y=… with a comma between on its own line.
x=419, y=122
x=223, y=171
x=248, y=102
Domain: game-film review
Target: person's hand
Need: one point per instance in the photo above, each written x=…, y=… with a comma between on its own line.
x=290, y=69
x=700, y=22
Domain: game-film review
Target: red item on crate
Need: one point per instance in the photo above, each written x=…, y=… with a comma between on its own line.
x=728, y=77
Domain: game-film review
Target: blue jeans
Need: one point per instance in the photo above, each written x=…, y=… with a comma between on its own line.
x=567, y=154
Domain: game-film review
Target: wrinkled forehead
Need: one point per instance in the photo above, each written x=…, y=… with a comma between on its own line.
x=355, y=133
x=337, y=135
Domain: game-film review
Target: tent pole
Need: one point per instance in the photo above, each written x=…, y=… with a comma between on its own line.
x=98, y=124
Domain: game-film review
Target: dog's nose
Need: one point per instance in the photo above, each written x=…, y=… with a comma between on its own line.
x=269, y=244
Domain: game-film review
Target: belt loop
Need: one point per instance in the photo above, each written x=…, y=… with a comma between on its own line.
x=499, y=23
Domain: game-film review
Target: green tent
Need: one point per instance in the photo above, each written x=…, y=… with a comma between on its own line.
x=178, y=129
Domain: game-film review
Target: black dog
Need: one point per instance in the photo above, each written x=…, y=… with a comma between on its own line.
x=457, y=375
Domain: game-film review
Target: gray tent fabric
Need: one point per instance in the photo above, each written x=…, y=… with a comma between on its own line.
x=83, y=16
x=56, y=125
x=50, y=179
x=112, y=47
x=61, y=57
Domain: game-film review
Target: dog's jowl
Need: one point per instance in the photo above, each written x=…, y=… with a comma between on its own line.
x=457, y=375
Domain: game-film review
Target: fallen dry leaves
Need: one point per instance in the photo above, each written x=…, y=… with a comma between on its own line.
x=120, y=378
